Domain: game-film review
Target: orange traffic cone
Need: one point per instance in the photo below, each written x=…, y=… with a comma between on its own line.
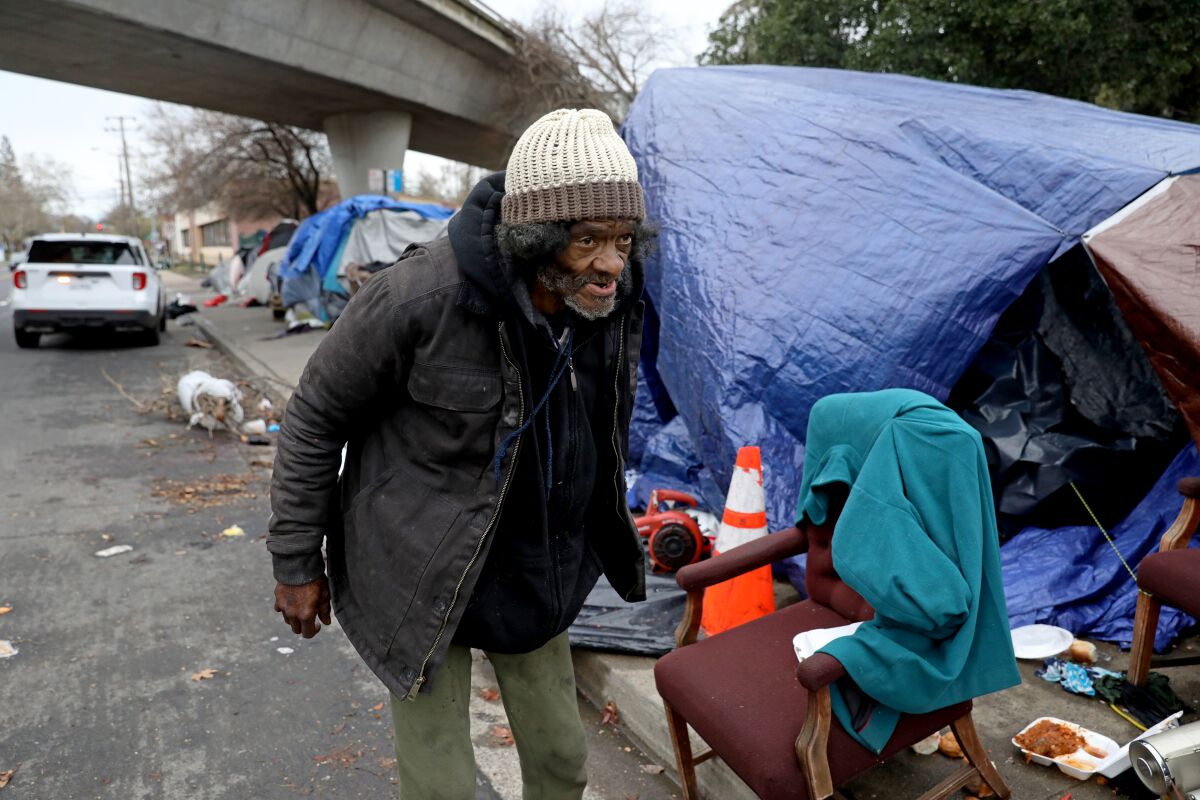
x=752, y=595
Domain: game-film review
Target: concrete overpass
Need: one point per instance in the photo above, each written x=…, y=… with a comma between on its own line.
x=376, y=75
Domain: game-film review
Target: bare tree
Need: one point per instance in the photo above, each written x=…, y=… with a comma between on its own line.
x=35, y=195
x=248, y=167
x=450, y=184
x=600, y=61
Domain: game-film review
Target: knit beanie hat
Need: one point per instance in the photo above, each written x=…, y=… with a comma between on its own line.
x=571, y=165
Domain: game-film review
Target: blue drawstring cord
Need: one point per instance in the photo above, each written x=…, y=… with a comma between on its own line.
x=561, y=362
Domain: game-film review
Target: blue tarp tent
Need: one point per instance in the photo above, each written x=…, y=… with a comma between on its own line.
x=317, y=243
x=828, y=231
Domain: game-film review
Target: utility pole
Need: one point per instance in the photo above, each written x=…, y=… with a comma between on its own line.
x=128, y=177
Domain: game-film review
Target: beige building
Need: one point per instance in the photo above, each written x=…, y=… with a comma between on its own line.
x=208, y=235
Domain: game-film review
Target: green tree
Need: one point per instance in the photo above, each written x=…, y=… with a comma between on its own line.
x=1135, y=55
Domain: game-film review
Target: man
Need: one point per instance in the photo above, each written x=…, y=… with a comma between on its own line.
x=484, y=385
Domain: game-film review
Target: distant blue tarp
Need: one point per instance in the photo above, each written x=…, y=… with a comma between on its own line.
x=318, y=240
x=827, y=231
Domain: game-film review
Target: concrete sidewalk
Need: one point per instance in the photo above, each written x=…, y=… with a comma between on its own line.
x=248, y=337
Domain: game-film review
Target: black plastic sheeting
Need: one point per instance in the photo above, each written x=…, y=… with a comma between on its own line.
x=1062, y=392
x=648, y=629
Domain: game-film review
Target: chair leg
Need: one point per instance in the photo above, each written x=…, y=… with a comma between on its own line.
x=684, y=763
x=812, y=745
x=1145, y=624
x=973, y=749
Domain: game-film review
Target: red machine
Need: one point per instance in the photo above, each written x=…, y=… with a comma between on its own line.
x=673, y=536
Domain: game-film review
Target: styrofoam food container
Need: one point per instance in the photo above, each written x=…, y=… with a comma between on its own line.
x=1081, y=764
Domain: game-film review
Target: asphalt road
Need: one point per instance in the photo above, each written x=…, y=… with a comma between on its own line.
x=158, y=673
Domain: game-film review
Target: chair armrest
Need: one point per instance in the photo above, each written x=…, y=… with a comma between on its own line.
x=742, y=559
x=819, y=671
x=1183, y=528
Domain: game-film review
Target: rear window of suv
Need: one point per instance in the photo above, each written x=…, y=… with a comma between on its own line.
x=66, y=252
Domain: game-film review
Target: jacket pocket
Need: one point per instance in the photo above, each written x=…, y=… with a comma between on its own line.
x=393, y=533
x=467, y=389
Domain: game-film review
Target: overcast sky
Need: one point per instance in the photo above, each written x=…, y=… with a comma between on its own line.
x=68, y=123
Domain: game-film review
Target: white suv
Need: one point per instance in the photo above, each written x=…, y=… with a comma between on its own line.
x=74, y=281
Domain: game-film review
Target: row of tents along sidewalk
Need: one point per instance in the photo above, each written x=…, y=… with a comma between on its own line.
x=1026, y=259
x=306, y=271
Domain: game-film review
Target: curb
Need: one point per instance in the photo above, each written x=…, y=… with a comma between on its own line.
x=242, y=359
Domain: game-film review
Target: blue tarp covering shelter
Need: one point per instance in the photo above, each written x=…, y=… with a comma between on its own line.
x=316, y=243
x=829, y=231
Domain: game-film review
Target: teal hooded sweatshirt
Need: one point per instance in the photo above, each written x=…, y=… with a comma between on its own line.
x=917, y=539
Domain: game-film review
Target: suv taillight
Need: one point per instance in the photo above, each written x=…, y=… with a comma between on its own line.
x=139, y=281
x=20, y=279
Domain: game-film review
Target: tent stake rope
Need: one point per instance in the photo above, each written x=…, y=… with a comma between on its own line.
x=1111, y=543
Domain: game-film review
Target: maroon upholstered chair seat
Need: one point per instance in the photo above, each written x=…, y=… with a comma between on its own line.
x=1173, y=577
x=708, y=679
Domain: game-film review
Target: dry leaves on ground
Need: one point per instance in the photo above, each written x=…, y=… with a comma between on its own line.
x=6, y=776
x=609, y=716
x=204, y=674
x=343, y=757
x=377, y=707
x=387, y=763
x=205, y=492
x=489, y=694
x=4, y=610
x=502, y=736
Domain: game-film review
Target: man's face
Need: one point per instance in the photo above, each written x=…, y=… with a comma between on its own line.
x=592, y=272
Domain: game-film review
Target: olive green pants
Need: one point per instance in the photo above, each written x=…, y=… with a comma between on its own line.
x=433, y=731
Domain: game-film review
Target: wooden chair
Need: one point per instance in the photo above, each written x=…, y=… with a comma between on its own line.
x=768, y=717
x=1171, y=576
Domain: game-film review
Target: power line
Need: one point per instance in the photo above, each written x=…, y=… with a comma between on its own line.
x=128, y=186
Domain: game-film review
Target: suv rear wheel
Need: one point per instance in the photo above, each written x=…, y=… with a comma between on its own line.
x=26, y=340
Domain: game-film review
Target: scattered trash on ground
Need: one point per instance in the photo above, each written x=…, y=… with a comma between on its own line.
x=609, y=714
x=652, y=769
x=929, y=745
x=205, y=492
x=273, y=427
x=210, y=402
x=182, y=304
x=948, y=746
x=287, y=651
x=233, y=530
x=205, y=674
x=265, y=405
x=115, y=550
x=6, y=776
x=343, y=757
x=501, y=736
x=489, y=694
x=7, y=648
x=254, y=426
x=4, y=610
x=203, y=344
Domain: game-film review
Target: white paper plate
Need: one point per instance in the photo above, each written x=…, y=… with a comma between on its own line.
x=1040, y=641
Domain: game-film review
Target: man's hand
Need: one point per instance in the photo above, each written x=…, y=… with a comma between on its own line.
x=302, y=605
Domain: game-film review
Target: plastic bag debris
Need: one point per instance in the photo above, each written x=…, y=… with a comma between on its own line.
x=115, y=550
x=7, y=648
x=210, y=402
x=254, y=426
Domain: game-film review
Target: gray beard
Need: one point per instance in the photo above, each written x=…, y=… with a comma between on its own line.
x=567, y=286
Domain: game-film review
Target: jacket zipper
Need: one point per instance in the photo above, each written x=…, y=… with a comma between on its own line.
x=621, y=508
x=416, y=687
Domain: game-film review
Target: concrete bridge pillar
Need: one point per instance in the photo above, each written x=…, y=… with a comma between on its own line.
x=364, y=141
